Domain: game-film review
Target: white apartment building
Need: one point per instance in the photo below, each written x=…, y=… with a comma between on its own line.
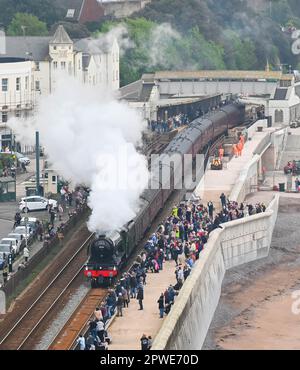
x=16, y=87
x=29, y=63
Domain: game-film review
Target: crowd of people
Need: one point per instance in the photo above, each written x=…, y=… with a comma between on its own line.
x=181, y=238
x=162, y=126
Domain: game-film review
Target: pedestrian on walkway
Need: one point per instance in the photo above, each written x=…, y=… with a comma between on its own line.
x=223, y=200
x=5, y=274
x=133, y=285
x=18, y=219
x=70, y=199
x=161, y=305
x=149, y=342
x=144, y=343
x=140, y=296
x=26, y=254
x=210, y=207
x=120, y=303
x=52, y=215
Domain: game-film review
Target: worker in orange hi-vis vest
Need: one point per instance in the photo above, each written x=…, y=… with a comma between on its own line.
x=234, y=150
x=242, y=139
x=239, y=148
x=221, y=153
x=242, y=144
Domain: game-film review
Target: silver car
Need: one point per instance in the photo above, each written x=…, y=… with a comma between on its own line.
x=13, y=242
x=19, y=238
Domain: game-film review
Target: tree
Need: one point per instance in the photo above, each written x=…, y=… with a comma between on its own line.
x=46, y=10
x=27, y=24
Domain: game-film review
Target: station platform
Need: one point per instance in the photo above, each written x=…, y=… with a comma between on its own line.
x=214, y=183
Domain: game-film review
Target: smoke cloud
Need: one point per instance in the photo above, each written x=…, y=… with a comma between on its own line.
x=90, y=139
x=103, y=41
x=161, y=38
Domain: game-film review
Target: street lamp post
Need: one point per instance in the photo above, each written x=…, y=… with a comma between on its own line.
x=37, y=154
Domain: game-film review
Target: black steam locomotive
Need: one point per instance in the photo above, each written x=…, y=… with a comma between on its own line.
x=109, y=252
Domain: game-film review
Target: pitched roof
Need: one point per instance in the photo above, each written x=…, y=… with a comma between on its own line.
x=73, y=8
x=93, y=45
x=61, y=36
x=28, y=47
x=222, y=74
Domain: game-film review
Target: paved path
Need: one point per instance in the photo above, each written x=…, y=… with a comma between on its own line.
x=126, y=331
x=216, y=182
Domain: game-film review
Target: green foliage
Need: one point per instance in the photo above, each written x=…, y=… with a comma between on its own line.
x=45, y=10
x=27, y=24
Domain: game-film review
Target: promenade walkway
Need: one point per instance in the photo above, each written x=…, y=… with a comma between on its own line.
x=126, y=331
x=216, y=182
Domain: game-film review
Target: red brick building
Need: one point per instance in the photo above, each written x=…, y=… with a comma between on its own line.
x=81, y=11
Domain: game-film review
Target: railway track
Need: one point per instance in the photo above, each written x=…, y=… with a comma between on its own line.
x=66, y=339
x=23, y=334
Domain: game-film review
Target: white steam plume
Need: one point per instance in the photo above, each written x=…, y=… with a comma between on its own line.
x=161, y=38
x=103, y=41
x=87, y=136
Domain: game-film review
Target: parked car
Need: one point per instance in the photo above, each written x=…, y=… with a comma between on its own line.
x=13, y=242
x=27, y=233
x=294, y=124
x=3, y=260
x=7, y=249
x=19, y=238
x=31, y=222
x=22, y=159
x=36, y=203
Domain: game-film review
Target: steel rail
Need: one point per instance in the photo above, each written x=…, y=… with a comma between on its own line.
x=59, y=274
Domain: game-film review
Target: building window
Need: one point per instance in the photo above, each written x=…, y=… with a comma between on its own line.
x=26, y=82
x=279, y=116
x=54, y=48
x=63, y=65
x=37, y=65
x=4, y=84
x=79, y=64
x=117, y=75
x=4, y=116
x=37, y=85
x=18, y=83
x=55, y=65
x=18, y=111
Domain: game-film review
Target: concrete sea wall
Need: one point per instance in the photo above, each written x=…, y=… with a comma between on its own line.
x=239, y=242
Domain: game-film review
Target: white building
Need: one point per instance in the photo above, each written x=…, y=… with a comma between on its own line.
x=16, y=87
x=28, y=67
x=279, y=93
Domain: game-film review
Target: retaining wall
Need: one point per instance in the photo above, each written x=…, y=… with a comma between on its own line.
x=239, y=242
